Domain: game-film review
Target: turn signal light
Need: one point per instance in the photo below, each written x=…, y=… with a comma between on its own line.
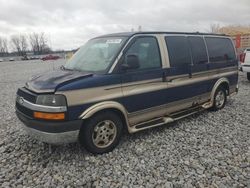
x=49, y=116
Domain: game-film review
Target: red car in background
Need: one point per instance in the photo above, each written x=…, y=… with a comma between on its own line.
x=50, y=57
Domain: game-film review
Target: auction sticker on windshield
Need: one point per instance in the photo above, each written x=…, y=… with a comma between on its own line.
x=113, y=41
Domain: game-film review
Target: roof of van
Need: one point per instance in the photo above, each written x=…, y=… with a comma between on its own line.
x=129, y=34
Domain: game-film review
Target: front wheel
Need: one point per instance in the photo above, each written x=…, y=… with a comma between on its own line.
x=248, y=76
x=101, y=133
x=220, y=99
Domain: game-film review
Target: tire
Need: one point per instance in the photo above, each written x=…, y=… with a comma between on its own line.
x=248, y=76
x=220, y=99
x=101, y=133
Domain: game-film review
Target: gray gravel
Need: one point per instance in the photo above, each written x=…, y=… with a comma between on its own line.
x=210, y=149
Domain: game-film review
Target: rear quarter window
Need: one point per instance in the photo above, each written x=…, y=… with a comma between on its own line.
x=220, y=49
x=198, y=49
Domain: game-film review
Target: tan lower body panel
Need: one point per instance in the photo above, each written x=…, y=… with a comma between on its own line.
x=165, y=110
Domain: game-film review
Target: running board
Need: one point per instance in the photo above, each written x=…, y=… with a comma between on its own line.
x=154, y=122
x=186, y=112
x=165, y=120
x=207, y=105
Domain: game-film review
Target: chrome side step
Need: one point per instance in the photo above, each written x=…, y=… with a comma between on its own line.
x=165, y=120
x=207, y=105
x=153, y=123
x=186, y=112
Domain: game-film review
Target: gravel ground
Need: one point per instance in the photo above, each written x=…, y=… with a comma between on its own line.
x=209, y=149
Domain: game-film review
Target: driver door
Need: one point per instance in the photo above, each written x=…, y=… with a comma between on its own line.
x=143, y=88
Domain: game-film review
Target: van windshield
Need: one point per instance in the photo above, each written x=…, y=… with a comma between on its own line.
x=96, y=55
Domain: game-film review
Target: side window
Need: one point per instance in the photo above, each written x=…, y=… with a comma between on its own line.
x=220, y=49
x=178, y=50
x=198, y=49
x=147, y=50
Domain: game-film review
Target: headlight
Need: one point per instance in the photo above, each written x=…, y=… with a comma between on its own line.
x=51, y=100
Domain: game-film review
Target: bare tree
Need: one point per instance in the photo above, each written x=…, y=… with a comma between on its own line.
x=43, y=42
x=39, y=43
x=215, y=28
x=139, y=28
x=19, y=43
x=15, y=40
x=3, y=46
x=34, y=42
x=23, y=44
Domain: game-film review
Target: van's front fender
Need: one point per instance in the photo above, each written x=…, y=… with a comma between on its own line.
x=102, y=106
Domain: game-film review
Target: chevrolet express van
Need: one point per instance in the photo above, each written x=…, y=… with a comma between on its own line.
x=128, y=81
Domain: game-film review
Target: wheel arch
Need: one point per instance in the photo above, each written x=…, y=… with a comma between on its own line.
x=224, y=82
x=113, y=106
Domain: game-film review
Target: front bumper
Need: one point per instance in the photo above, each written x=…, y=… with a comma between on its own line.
x=51, y=132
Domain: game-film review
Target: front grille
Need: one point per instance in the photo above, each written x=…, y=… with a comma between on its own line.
x=26, y=94
x=24, y=110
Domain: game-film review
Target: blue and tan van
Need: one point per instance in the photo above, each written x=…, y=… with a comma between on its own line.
x=128, y=81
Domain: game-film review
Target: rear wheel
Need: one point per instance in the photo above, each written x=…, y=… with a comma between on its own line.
x=220, y=99
x=248, y=76
x=101, y=133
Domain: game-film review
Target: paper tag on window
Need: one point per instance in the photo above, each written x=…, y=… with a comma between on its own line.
x=113, y=41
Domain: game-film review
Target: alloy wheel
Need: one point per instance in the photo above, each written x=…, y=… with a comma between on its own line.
x=104, y=134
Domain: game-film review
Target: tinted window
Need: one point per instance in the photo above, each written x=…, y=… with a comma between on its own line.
x=220, y=49
x=198, y=48
x=146, y=48
x=178, y=50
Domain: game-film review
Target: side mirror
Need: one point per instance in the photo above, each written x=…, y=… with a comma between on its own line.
x=131, y=62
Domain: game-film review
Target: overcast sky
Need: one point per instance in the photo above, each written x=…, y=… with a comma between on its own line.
x=69, y=24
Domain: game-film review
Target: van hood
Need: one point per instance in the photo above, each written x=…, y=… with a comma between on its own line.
x=51, y=81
